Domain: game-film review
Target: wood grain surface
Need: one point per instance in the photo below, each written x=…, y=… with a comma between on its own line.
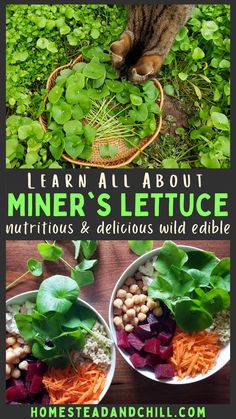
x=128, y=387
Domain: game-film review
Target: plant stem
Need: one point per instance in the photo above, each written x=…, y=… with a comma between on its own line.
x=12, y=284
x=72, y=362
x=66, y=263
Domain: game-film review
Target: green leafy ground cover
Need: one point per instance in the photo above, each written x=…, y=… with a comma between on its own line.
x=196, y=72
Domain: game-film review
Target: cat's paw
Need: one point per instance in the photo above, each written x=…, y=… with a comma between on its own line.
x=119, y=49
x=145, y=68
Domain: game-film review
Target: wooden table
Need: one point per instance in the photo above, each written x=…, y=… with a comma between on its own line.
x=128, y=387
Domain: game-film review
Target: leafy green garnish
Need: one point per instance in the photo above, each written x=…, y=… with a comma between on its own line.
x=58, y=323
x=56, y=293
x=139, y=247
x=193, y=284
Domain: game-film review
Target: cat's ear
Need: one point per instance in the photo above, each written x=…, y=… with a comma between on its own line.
x=119, y=49
x=145, y=68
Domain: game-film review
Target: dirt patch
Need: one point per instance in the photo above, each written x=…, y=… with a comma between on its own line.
x=173, y=108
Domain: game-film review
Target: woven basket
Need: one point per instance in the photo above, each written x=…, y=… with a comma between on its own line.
x=125, y=154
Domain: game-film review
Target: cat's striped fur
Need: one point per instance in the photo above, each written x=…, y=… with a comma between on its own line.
x=147, y=39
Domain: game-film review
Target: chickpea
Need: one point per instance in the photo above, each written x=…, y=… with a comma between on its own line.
x=141, y=317
x=121, y=294
x=133, y=288
x=137, y=309
x=138, y=275
x=137, y=299
x=138, y=292
x=151, y=303
x=129, y=281
x=16, y=373
x=125, y=318
x=19, y=352
x=117, y=311
x=145, y=288
x=131, y=313
x=129, y=295
x=20, y=340
x=16, y=345
x=23, y=365
x=143, y=298
x=8, y=370
x=124, y=308
x=158, y=311
x=134, y=321
x=10, y=341
x=129, y=328
x=118, y=321
x=129, y=302
x=16, y=361
x=118, y=303
x=26, y=349
x=10, y=356
x=144, y=309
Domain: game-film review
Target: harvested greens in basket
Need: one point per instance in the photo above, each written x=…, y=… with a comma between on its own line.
x=88, y=103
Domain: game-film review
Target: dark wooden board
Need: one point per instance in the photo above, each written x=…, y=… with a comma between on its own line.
x=128, y=386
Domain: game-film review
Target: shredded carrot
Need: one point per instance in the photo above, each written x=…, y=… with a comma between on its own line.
x=194, y=353
x=65, y=386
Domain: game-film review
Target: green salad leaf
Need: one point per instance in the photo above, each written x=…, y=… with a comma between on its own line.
x=139, y=247
x=57, y=294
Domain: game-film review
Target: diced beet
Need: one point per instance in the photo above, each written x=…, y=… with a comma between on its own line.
x=138, y=361
x=130, y=350
x=36, y=368
x=36, y=384
x=122, y=339
x=152, y=346
x=165, y=337
x=165, y=351
x=155, y=327
x=16, y=394
x=153, y=360
x=41, y=368
x=134, y=341
x=168, y=325
x=15, y=382
x=164, y=371
x=143, y=331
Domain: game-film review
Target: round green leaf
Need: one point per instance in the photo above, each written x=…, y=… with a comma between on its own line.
x=136, y=100
x=49, y=251
x=72, y=93
x=191, y=317
x=57, y=293
x=94, y=70
x=74, y=145
x=73, y=127
x=198, y=54
x=220, y=121
x=55, y=94
x=114, y=86
x=61, y=112
x=35, y=267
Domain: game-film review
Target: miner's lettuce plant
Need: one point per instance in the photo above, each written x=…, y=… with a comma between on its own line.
x=88, y=103
x=194, y=285
x=196, y=72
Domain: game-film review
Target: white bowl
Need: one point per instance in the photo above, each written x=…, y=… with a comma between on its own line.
x=224, y=355
x=31, y=295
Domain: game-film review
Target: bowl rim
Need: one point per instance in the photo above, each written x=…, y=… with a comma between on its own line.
x=111, y=370
x=133, y=265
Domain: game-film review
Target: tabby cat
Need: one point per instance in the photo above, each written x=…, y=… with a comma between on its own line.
x=147, y=39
